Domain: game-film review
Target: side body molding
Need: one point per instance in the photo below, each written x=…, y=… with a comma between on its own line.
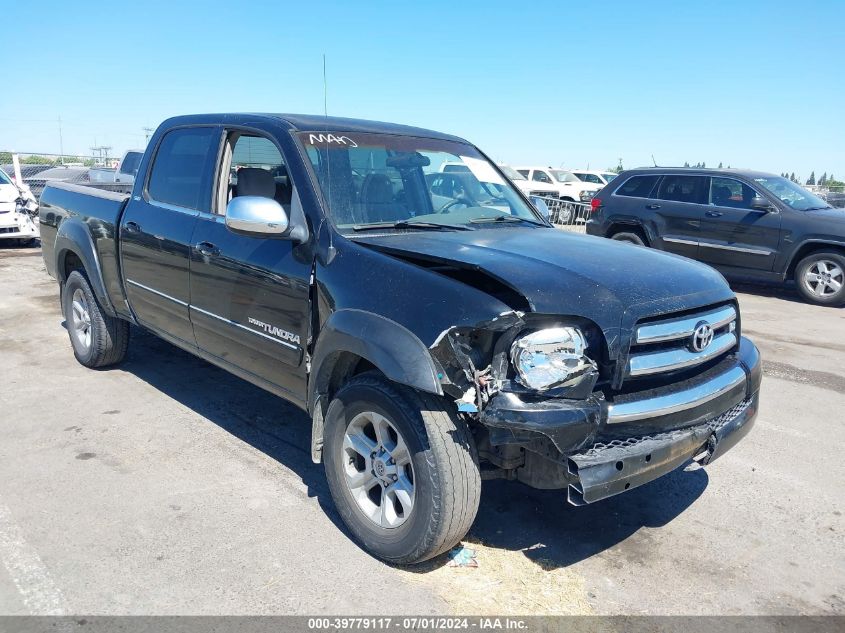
x=74, y=237
x=392, y=348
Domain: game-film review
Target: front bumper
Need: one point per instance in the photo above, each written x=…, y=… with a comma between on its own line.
x=610, y=447
x=18, y=226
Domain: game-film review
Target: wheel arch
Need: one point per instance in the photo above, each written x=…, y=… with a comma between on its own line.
x=619, y=225
x=353, y=341
x=811, y=246
x=75, y=250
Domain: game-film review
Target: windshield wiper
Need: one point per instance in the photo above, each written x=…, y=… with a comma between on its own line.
x=504, y=218
x=410, y=224
x=818, y=208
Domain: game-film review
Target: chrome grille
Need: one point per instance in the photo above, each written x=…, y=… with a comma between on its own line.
x=668, y=345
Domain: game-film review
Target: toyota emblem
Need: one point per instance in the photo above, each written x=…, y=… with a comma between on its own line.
x=702, y=336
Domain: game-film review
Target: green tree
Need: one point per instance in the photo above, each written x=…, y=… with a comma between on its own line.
x=619, y=168
x=720, y=164
x=812, y=179
x=686, y=163
x=823, y=179
x=792, y=177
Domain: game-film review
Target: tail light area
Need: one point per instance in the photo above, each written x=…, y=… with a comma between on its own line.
x=595, y=203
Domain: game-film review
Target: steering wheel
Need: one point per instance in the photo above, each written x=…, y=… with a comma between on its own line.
x=460, y=200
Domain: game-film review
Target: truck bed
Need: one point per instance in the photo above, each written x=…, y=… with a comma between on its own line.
x=90, y=214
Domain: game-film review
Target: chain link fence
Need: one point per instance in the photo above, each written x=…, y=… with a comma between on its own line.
x=35, y=170
x=570, y=216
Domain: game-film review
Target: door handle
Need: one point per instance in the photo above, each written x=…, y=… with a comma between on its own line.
x=714, y=214
x=133, y=227
x=652, y=206
x=207, y=248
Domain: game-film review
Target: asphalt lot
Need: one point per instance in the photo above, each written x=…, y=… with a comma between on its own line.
x=168, y=486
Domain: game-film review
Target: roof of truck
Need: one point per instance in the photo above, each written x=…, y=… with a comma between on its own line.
x=316, y=123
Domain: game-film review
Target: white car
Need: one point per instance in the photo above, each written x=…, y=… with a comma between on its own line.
x=568, y=186
x=600, y=178
x=17, y=219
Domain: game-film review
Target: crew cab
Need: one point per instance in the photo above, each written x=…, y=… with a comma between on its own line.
x=432, y=341
x=751, y=226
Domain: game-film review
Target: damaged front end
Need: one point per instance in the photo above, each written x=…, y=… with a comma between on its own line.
x=542, y=396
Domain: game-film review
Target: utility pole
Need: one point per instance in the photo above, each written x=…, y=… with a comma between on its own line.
x=61, y=143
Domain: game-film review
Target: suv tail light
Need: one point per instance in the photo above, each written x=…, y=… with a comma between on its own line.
x=595, y=203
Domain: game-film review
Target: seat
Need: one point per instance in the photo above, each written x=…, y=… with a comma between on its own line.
x=253, y=181
x=377, y=198
x=722, y=196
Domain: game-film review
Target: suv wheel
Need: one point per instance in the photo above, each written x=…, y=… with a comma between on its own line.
x=402, y=470
x=820, y=278
x=627, y=236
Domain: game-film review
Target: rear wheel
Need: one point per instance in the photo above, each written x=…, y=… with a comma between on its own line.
x=402, y=470
x=98, y=340
x=820, y=278
x=628, y=236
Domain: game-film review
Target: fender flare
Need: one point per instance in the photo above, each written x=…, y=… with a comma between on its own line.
x=73, y=237
x=389, y=346
x=392, y=348
x=821, y=242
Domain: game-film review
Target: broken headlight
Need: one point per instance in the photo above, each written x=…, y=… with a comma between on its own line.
x=550, y=358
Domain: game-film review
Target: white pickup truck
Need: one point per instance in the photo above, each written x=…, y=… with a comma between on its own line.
x=568, y=186
x=124, y=172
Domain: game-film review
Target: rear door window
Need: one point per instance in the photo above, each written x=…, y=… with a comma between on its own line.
x=181, y=172
x=541, y=176
x=679, y=188
x=638, y=186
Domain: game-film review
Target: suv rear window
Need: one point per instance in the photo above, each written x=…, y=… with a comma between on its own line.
x=692, y=189
x=638, y=186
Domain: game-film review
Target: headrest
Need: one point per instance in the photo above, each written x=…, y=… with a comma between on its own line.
x=255, y=182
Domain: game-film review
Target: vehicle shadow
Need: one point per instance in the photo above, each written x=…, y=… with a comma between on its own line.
x=546, y=529
x=786, y=292
x=512, y=516
x=270, y=424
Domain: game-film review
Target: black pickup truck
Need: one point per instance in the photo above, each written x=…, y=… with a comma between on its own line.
x=433, y=338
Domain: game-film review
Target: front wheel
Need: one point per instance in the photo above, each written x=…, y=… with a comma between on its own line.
x=820, y=278
x=402, y=469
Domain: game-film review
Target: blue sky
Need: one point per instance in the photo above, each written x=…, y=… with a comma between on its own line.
x=751, y=84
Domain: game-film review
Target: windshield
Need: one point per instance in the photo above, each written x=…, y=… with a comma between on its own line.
x=4, y=179
x=511, y=173
x=564, y=176
x=608, y=175
x=373, y=180
x=792, y=194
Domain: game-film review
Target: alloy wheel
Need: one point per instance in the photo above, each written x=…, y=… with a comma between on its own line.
x=378, y=469
x=80, y=319
x=824, y=278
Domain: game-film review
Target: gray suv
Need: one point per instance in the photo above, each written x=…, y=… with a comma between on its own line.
x=749, y=225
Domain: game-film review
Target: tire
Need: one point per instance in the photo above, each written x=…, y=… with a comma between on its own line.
x=98, y=340
x=820, y=278
x=630, y=237
x=440, y=462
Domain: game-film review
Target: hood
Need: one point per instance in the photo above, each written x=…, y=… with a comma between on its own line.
x=837, y=216
x=557, y=272
x=9, y=193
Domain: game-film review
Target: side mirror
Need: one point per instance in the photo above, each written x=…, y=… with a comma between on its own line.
x=256, y=216
x=541, y=206
x=761, y=204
